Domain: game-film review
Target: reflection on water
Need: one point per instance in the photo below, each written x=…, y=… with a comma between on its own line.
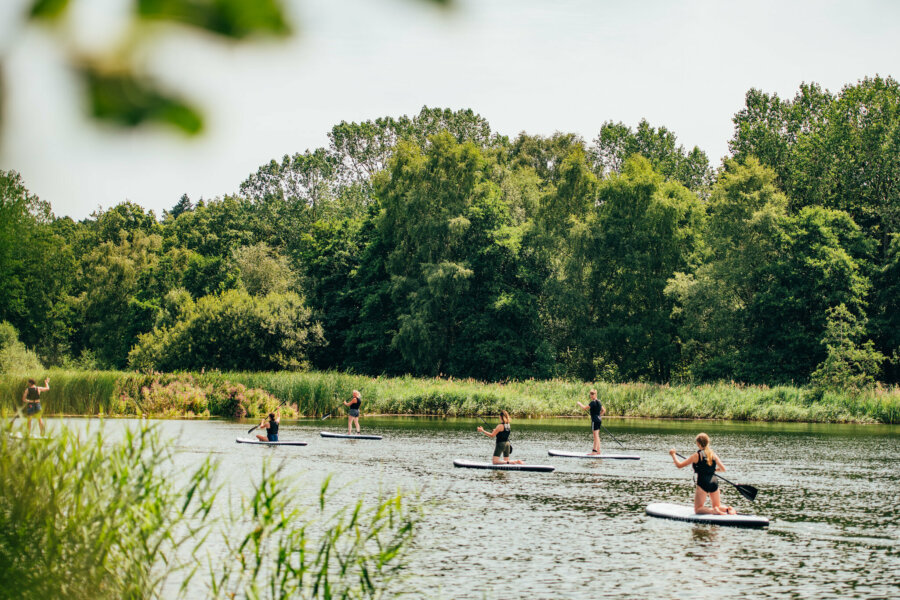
x=829, y=490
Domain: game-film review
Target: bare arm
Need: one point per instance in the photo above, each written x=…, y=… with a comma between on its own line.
x=688, y=461
x=720, y=466
x=583, y=406
x=46, y=386
x=494, y=433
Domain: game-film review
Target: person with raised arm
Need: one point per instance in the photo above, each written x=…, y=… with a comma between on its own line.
x=597, y=411
x=32, y=401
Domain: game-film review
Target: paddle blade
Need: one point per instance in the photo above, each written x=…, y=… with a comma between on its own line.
x=747, y=491
x=252, y=429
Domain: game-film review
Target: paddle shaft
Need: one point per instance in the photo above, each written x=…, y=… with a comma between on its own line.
x=276, y=408
x=747, y=491
x=612, y=436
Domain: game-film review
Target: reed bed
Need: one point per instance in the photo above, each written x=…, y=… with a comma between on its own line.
x=315, y=394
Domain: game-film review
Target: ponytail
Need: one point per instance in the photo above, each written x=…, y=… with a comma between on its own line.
x=504, y=417
x=703, y=442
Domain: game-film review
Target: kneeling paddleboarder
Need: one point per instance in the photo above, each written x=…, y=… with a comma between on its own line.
x=597, y=411
x=705, y=463
x=502, y=447
x=271, y=427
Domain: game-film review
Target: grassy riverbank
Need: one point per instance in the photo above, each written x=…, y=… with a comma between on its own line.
x=318, y=393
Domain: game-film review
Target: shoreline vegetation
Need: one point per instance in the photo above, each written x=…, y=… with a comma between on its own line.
x=314, y=394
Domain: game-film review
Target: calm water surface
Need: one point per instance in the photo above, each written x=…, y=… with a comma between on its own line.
x=831, y=492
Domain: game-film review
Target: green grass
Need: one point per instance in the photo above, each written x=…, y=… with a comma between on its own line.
x=320, y=393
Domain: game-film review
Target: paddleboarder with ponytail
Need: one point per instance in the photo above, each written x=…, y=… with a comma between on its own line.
x=597, y=411
x=502, y=447
x=705, y=463
x=353, y=414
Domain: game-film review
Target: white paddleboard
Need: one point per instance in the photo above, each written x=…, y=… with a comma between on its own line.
x=355, y=436
x=252, y=441
x=588, y=455
x=685, y=512
x=468, y=464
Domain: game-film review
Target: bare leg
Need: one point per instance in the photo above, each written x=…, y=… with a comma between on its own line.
x=596, y=434
x=715, y=499
x=262, y=438
x=699, y=501
x=356, y=421
x=349, y=425
x=41, y=423
x=29, y=425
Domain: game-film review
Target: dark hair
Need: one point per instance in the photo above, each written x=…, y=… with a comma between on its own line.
x=32, y=382
x=271, y=416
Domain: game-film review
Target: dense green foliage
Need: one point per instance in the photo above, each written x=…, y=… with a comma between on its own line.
x=429, y=245
x=315, y=394
x=89, y=517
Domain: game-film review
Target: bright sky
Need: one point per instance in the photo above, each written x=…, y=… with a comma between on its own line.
x=524, y=65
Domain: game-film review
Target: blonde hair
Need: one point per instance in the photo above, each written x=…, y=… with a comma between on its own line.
x=703, y=442
x=504, y=417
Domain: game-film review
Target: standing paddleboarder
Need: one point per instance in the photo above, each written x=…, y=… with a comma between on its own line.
x=502, y=447
x=271, y=427
x=32, y=401
x=353, y=414
x=597, y=412
x=705, y=463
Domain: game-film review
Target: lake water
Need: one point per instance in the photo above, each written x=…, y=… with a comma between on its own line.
x=831, y=492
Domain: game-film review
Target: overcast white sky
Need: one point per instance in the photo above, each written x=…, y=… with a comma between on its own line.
x=525, y=65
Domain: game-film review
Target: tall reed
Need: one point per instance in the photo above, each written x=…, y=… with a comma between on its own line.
x=321, y=393
x=86, y=518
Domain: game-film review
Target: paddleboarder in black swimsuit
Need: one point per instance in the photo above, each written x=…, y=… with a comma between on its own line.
x=271, y=427
x=502, y=447
x=353, y=414
x=705, y=463
x=597, y=412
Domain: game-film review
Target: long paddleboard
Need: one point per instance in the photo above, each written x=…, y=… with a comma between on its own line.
x=588, y=455
x=685, y=512
x=468, y=464
x=260, y=443
x=355, y=436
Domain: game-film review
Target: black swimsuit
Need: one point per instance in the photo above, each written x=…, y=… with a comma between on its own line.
x=272, y=431
x=706, y=474
x=502, y=446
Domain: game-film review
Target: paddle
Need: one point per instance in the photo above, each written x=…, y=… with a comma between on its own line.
x=747, y=491
x=325, y=417
x=612, y=436
x=276, y=408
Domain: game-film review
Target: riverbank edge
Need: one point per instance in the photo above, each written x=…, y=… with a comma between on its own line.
x=315, y=394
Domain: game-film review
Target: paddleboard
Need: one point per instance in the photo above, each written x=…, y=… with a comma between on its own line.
x=587, y=455
x=355, y=436
x=468, y=464
x=685, y=512
x=251, y=441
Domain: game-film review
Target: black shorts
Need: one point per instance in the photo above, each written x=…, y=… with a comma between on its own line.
x=596, y=424
x=354, y=412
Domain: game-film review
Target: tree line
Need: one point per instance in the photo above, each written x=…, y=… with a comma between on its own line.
x=432, y=245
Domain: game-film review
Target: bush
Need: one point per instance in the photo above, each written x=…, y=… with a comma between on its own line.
x=235, y=331
x=14, y=356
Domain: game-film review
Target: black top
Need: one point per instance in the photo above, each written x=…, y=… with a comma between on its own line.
x=354, y=403
x=273, y=428
x=705, y=472
x=503, y=436
x=595, y=407
x=33, y=393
